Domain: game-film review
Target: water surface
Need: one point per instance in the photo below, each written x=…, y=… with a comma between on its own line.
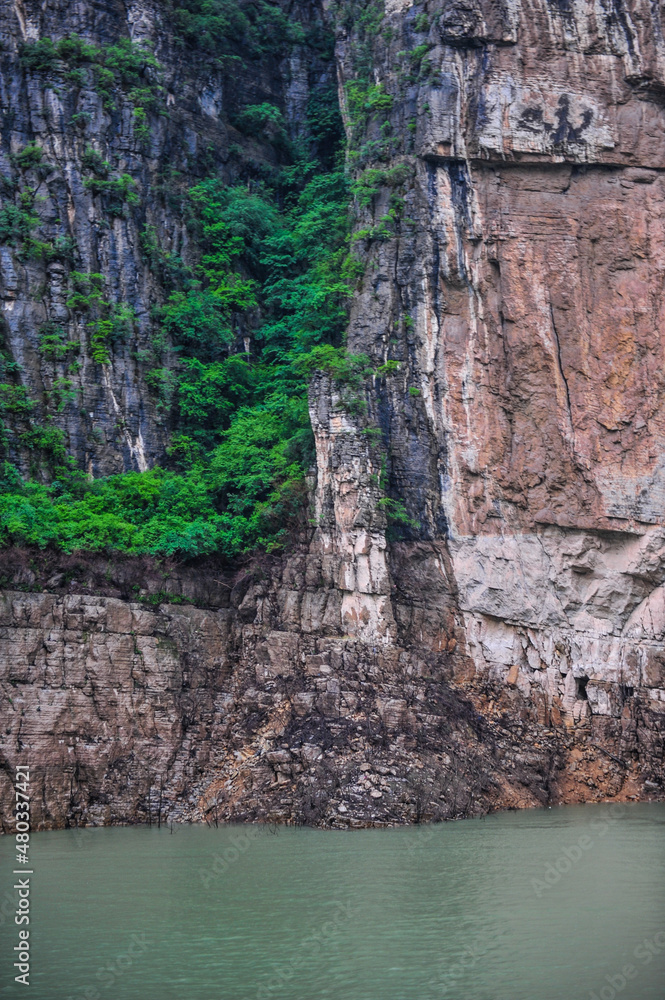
x=537, y=905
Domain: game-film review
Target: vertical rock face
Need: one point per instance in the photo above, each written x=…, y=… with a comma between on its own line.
x=115, y=426
x=106, y=194
x=521, y=288
x=481, y=603
x=351, y=525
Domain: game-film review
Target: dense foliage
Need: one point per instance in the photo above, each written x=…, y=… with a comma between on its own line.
x=235, y=343
x=125, y=66
x=259, y=305
x=233, y=30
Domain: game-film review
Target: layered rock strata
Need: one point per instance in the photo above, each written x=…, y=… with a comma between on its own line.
x=261, y=710
x=522, y=292
x=501, y=641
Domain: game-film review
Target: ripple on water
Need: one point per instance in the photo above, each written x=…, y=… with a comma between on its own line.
x=539, y=905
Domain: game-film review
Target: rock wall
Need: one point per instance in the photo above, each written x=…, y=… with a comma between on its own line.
x=110, y=414
x=521, y=289
x=261, y=709
x=477, y=619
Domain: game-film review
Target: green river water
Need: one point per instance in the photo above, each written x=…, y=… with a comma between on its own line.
x=556, y=904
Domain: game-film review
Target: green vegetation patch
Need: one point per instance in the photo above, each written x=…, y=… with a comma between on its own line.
x=106, y=321
x=261, y=306
x=234, y=31
x=274, y=272
x=126, y=66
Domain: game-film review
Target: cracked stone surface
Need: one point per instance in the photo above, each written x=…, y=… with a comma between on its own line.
x=505, y=644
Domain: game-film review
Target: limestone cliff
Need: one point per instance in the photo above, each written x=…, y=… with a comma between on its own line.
x=501, y=640
x=106, y=190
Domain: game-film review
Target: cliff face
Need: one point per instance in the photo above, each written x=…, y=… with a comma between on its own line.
x=478, y=617
x=526, y=302
x=105, y=196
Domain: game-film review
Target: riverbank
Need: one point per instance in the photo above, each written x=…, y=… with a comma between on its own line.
x=129, y=713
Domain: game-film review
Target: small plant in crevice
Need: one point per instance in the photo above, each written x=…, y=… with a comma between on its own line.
x=17, y=223
x=396, y=512
x=19, y=219
x=125, y=67
x=31, y=157
x=63, y=392
x=117, y=193
x=52, y=343
x=106, y=322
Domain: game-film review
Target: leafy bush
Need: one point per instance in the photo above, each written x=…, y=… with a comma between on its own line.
x=108, y=321
x=14, y=399
x=239, y=334
x=52, y=341
x=63, y=393
x=260, y=117
x=125, y=65
x=156, y=512
x=116, y=324
x=28, y=157
x=198, y=320
x=16, y=224
x=40, y=56
x=233, y=31
x=95, y=162
x=344, y=368
x=117, y=192
x=209, y=395
x=370, y=182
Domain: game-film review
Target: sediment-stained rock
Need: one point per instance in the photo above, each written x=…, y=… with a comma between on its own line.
x=522, y=292
x=501, y=642
x=263, y=707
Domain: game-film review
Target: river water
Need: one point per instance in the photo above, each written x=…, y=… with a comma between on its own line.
x=556, y=904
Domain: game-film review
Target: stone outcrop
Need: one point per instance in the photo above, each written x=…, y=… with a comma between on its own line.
x=521, y=291
x=502, y=640
x=261, y=710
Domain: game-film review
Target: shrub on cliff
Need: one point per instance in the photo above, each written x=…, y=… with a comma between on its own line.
x=243, y=440
x=259, y=303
